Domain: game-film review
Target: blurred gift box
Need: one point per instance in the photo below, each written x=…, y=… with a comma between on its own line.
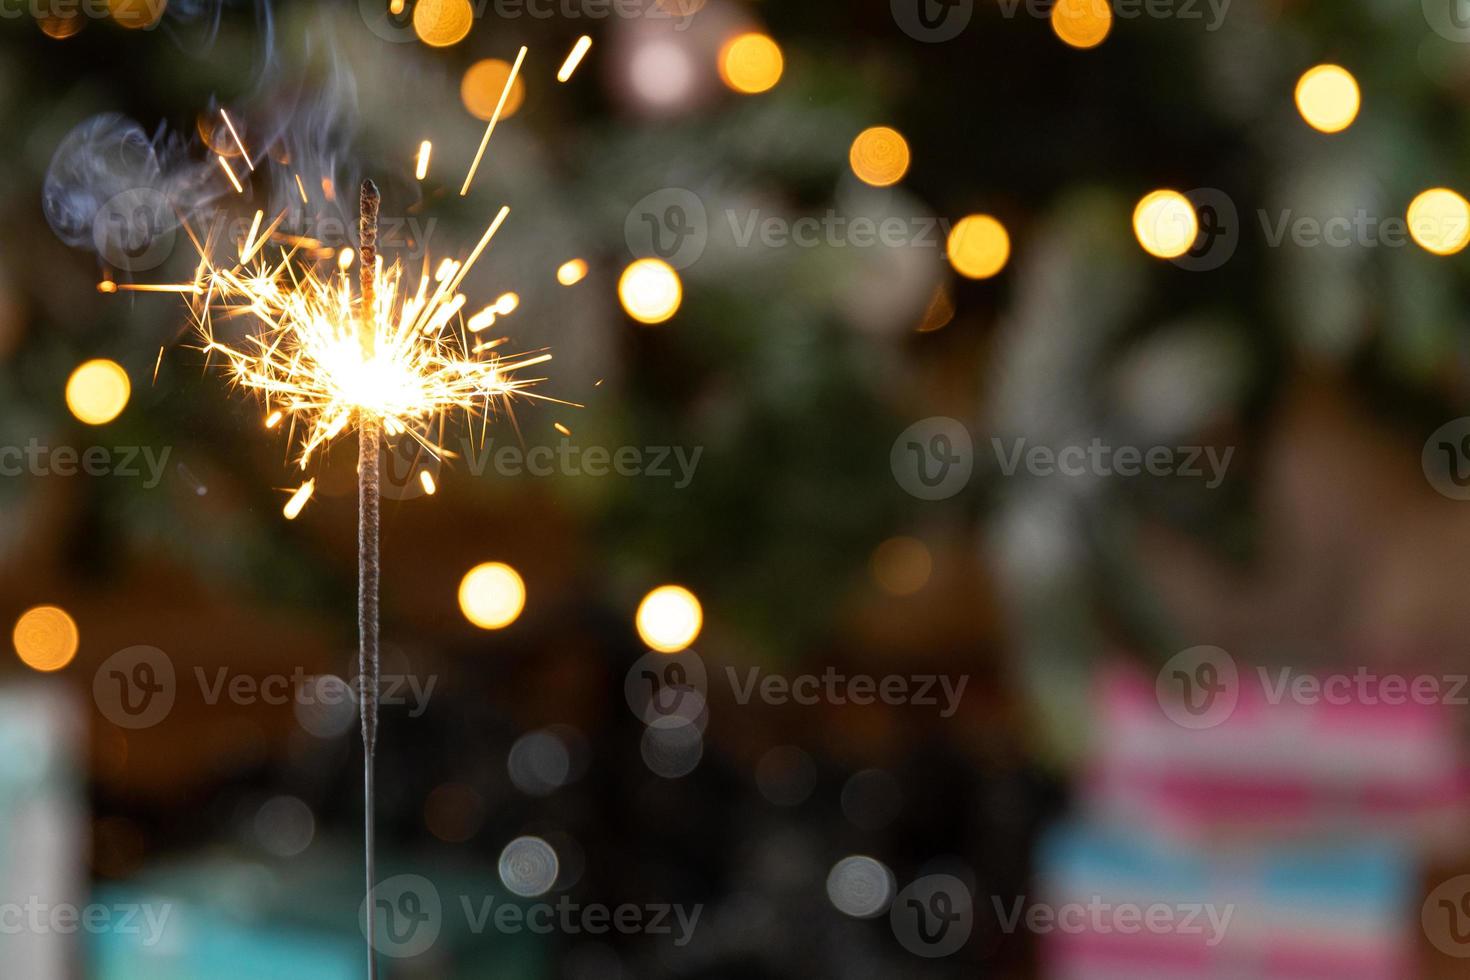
x=1118, y=907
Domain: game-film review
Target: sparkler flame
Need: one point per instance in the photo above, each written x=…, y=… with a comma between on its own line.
x=305, y=357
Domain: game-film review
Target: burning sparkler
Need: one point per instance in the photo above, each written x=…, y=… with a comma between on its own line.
x=393, y=359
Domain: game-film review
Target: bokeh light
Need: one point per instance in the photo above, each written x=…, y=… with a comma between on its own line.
x=1082, y=23
x=672, y=752
x=979, y=246
x=454, y=812
x=98, y=391
x=662, y=74
x=539, y=763
x=285, y=826
x=650, y=291
x=136, y=14
x=528, y=867
x=860, y=886
x=879, y=156
x=1439, y=221
x=572, y=272
x=1328, y=98
x=669, y=618
x=440, y=23
x=1166, y=224
x=901, y=566
x=482, y=85
x=61, y=26
x=46, y=638
x=492, y=595
x=751, y=63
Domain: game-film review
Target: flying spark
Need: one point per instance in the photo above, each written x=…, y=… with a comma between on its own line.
x=494, y=118
x=574, y=58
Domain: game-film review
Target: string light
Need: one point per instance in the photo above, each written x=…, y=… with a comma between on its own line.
x=1082, y=23
x=751, y=63
x=1328, y=98
x=442, y=23
x=46, y=638
x=1166, y=224
x=1439, y=221
x=879, y=156
x=979, y=246
x=98, y=391
x=492, y=595
x=669, y=618
x=650, y=291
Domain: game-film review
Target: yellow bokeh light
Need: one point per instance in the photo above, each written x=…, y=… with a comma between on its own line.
x=650, y=291
x=669, y=618
x=979, y=246
x=751, y=63
x=46, y=638
x=61, y=26
x=98, y=391
x=572, y=272
x=902, y=566
x=492, y=595
x=136, y=14
x=1439, y=221
x=1082, y=23
x=482, y=84
x=1328, y=98
x=879, y=156
x=440, y=23
x=1166, y=224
